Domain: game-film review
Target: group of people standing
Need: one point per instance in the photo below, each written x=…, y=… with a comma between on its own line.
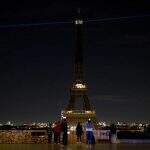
x=60, y=130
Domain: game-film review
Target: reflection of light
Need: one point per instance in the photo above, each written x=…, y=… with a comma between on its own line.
x=80, y=86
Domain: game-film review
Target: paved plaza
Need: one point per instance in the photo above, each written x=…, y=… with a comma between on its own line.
x=101, y=147
x=105, y=146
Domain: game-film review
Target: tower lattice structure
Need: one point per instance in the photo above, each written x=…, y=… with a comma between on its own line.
x=79, y=86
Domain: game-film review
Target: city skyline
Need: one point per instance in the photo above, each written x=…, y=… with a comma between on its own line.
x=37, y=62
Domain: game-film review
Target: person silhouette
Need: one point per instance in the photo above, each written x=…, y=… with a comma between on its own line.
x=79, y=132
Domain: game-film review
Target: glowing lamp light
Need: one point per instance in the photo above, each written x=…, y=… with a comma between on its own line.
x=80, y=86
x=88, y=112
x=68, y=132
x=72, y=128
x=53, y=125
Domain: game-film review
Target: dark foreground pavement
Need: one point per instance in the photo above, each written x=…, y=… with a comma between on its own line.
x=102, y=147
x=74, y=147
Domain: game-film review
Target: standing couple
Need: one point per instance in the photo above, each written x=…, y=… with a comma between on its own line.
x=89, y=132
x=61, y=128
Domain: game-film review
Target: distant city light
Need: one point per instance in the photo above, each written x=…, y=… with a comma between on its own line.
x=9, y=123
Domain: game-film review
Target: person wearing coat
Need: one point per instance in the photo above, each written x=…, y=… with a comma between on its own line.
x=57, y=132
x=64, y=131
x=79, y=132
x=89, y=132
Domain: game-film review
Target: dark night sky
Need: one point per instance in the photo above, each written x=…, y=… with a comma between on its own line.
x=36, y=62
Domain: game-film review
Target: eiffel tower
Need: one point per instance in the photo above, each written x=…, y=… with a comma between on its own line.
x=79, y=87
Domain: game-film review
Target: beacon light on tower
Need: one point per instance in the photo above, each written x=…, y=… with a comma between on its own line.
x=79, y=21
